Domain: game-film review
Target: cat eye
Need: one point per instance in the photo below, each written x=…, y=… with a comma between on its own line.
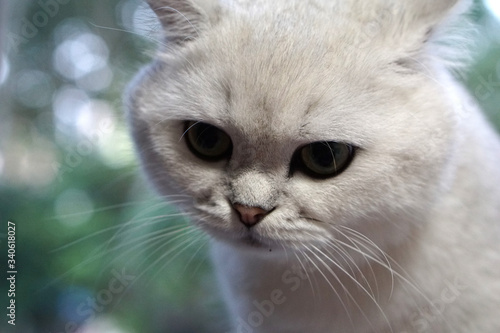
x=324, y=159
x=207, y=142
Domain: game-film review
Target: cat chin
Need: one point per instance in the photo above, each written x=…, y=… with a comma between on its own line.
x=253, y=245
x=246, y=241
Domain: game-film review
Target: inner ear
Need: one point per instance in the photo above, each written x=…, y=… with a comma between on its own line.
x=182, y=20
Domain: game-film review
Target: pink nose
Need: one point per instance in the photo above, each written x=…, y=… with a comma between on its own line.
x=250, y=216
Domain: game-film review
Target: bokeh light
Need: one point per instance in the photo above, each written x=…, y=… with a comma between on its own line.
x=69, y=103
x=2, y=162
x=4, y=68
x=73, y=207
x=138, y=18
x=494, y=7
x=29, y=163
x=83, y=54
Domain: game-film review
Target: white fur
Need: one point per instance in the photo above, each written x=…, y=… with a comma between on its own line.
x=406, y=238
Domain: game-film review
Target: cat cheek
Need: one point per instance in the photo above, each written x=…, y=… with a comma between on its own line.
x=205, y=197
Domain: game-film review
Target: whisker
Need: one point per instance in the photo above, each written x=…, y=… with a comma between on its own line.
x=159, y=236
x=187, y=130
x=368, y=262
x=306, y=272
x=125, y=225
x=195, y=254
x=167, y=253
x=403, y=276
x=102, y=251
x=356, y=282
x=372, y=246
x=107, y=208
x=196, y=239
x=330, y=284
x=349, y=260
x=183, y=233
x=105, y=230
x=154, y=40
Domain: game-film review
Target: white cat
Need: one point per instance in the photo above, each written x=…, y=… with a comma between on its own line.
x=349, y=184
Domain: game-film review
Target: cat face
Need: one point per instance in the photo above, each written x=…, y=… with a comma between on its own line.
x=286, y=131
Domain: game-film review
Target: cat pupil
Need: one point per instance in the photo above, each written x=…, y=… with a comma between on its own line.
x=322, y=155
x=207, y=137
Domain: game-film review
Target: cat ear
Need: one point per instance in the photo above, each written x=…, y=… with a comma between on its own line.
x=428, y=13
x=411, y=27
x=183, y=20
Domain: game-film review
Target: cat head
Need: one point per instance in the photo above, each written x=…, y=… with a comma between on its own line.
x=289, y=123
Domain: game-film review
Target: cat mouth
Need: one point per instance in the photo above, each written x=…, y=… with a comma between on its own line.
x=247, y=239
x=252, y=241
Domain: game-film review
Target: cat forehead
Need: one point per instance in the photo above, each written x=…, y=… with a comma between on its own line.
x=280, y=77
x=277, y=72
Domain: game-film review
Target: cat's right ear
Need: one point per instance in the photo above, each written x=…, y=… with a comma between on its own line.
x=184, y=20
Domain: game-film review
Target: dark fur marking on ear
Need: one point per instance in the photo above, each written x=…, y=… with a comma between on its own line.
x=405, y=66
x=428, y=34
x=181, y=20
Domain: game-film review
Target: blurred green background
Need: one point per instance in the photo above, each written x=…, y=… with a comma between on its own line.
x=95, y=247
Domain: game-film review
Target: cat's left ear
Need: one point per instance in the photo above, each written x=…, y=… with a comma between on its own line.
x=184, y=20
x=409, y=26
x=428, y=13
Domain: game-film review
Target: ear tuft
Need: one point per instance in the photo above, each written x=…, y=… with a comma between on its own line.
x=432, y=12
x=415, y=29
x=182, y=20
x=442, y=40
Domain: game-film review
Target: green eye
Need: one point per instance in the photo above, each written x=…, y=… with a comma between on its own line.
x=324, y=159
x=207, y=142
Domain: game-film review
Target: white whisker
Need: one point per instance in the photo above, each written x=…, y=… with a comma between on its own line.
x=327, y=280
x=356, y=282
